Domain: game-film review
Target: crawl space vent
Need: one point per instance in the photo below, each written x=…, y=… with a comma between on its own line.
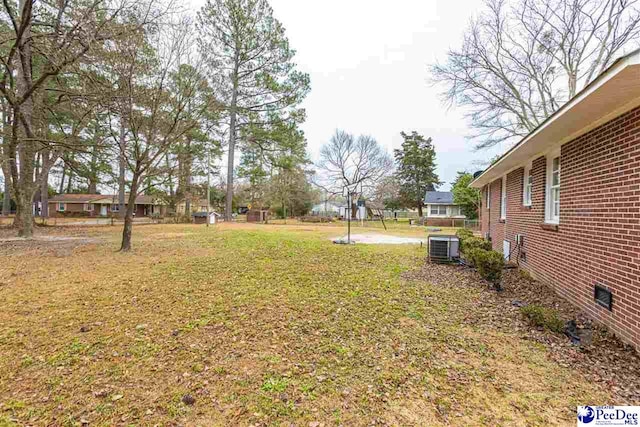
x=603, y=297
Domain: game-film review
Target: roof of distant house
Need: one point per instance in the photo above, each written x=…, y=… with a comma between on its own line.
x=142, y=199
x=438, y=197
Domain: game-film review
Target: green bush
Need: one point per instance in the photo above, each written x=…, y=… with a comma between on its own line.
x=464, y=234
x=543, y=317
x=474, y=243
x=472, y=255
x=489, y=264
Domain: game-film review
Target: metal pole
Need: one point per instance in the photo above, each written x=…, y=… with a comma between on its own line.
x=349, y=217
x=208, y=185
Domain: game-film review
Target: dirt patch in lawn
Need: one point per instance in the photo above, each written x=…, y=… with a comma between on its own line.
x=606, y=360
x=45, y=242
x=380, y=239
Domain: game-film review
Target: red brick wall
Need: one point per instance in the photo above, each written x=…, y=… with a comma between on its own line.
x=598, y=238
x=444, y=222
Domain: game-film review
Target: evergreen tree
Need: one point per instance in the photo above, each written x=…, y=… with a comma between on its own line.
x=251, y=68
x=467, y=197
x=416, y=169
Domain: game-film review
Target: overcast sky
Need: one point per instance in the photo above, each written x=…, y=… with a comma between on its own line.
x=368, y=59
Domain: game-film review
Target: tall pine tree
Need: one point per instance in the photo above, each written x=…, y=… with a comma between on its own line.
x=416, y=169
x=251, y=68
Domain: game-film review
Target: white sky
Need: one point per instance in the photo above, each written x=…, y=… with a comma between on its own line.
x=368, y=59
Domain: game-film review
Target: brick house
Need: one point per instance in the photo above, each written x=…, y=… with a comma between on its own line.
x=565, y=201
x=93, y=205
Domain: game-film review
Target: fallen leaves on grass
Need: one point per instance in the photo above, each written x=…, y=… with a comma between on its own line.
x=263, y=325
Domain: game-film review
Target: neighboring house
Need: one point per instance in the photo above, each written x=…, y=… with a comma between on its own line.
x=440, y=210
x=93, y=205
x=565, y=201
x=197, y=205
x=328, y=208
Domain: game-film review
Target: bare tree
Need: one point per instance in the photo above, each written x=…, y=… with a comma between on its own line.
x=521, y=60
x=163, y=99
x=357, y=164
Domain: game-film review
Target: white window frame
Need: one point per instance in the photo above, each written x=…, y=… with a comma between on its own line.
x=61, y=206
x=489, y=196
x=551, y=216
x=115, y=207
x=503, y=198
x=527, y=187
x=454, y=210
x=87, y=207
x=439, y=210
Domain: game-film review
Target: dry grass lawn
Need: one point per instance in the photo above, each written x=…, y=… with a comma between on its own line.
x=256, y=325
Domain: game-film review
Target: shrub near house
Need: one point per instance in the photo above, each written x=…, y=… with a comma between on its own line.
x=478, y=253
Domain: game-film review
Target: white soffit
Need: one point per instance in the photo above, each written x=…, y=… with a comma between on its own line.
x=615, y=92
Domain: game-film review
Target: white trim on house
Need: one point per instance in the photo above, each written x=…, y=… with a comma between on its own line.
x=61, y=206
x=614, y=92
x=527, y=186
x=489, y=196
x=552, y=188
x=503, y=198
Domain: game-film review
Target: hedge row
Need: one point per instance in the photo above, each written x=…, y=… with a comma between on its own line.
x=478, y=253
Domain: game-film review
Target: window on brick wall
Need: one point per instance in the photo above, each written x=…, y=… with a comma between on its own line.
x=503, y=198
x=553, y=188
x=61, y=207
x=527, y=191
x=489, y=196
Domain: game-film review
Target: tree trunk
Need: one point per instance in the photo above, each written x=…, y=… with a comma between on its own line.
x=170, y=175
x=62, y=178
x=70, y=182
x=93, y=173
x=419, y=210
x=23, y=220
x=232, y=143
x=125, y=246
x=232, y=137
x=44, y=196
x=44, y=184
x=187, y=177
x=122, y=165
x=6, y=199
x=24, y=187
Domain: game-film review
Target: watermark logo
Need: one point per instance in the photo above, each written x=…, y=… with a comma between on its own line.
x=586, y=414
x=589, y=416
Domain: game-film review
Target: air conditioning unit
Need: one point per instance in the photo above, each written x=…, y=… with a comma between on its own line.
x=443, y=249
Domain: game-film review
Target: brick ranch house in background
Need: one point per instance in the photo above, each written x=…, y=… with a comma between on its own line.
x=94, y=205
x=440, y=210
x=565, y=200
